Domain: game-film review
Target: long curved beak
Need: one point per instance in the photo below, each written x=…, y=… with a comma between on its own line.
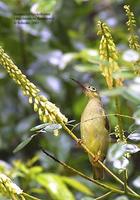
x=80, y=84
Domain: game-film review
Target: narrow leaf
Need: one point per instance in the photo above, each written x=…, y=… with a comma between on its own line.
x=54, y=186
x=136, y=182
x=77, y=185
x=115, y=152
x=39, y=127
x=123, y=197
x=23, y=144
x=88, y=198
x=134, y=136
x=131, y=148
x=71, y=121
x=52, y=127
x=121, y=163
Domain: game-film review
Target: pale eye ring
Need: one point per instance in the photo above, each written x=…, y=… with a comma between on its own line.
x=92, y=88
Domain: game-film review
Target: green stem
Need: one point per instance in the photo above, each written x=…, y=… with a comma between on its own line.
x=117, y=102
x=30, y=197
x=104, y=195
x=106, y=115
x=114, y=190
x=92, y=155
x=125, y=180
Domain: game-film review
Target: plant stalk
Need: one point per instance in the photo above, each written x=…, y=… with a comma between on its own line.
x=114, y=190
x=92, y=155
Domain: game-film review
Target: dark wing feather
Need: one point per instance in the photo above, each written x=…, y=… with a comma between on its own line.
x=107, y=124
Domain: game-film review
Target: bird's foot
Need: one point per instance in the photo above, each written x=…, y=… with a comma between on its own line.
x=80, y=141
x=96, y=158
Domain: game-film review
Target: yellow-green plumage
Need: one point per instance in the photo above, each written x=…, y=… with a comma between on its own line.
x=94, y=130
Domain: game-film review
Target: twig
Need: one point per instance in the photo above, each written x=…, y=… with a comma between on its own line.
x=30, y=197
x=125, y=180
x=114, y=190
x=117, y=102
x=106, y=115
x=92, y=155
x=104, y=195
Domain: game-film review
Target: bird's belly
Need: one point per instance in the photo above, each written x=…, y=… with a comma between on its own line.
x=94, y=134
x=95, y=140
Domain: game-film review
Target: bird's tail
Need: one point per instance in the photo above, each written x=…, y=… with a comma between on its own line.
x=98, y=173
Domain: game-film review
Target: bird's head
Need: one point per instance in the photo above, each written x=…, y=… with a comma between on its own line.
x=91, y=91
x=88, y=90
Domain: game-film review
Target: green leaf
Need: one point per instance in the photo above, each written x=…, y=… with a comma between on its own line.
x=121, y=163
x=35, y=170
x=71, y=121
x=52, y=127
x=77, y=185
x=115, y=152
x=136, y=182
x=23, y=144
x=47, y=127
x=55, y=186
x=124, y=74
x=112, y=92
x=39, y=127
x=87, y=198
x=44, y=6
x=131, y=148
x=116, y=155
x=131, y=96
x=136, y=115
x=87, y=68
x=123, y=197
x=134, y=136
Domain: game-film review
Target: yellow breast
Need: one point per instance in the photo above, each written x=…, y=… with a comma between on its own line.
x=93, y=131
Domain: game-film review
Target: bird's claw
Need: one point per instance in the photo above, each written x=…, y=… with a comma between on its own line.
x=79, y=141
x=96, y=158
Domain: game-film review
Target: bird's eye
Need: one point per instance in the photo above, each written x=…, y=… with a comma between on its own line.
x=92, y=88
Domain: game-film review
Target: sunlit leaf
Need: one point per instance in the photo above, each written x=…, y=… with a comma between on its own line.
x=52, y=127
x=115, y=152
x=23, y=144
x=90, y=55
x=124, y=74
x=35, y=170
x=134, y=136
x=64, y=149
x=71, y=121
x=113, y=92
x=136, y=182
x=87, y=198
x=121, y=163
x=39, y=127
x=77, y=185
x=131, y=148
x=131, y=96
x=43, y=7
x=87, y=68
x=20, y=166
x=47, y=127
x=55, y=186
x=123, y=197
x=137, y=117
x=37, y=190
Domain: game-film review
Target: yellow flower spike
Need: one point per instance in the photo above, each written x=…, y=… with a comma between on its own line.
x=108, y=54
x=30, y=100
x=47, y=111
x=131, y=24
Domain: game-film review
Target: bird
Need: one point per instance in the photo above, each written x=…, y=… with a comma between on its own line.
x=94, y=128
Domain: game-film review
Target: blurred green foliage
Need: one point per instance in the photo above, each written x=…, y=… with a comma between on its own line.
x=50, y=52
